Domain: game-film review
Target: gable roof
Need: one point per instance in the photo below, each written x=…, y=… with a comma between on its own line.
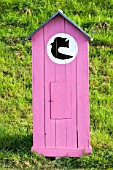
x=59, y=12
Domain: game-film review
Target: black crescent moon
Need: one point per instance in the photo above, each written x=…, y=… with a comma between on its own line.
x=60, y=42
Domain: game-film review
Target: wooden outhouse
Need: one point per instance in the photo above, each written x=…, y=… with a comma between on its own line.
x=60, y=82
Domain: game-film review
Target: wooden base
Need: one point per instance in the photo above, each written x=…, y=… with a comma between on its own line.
x=62, y=152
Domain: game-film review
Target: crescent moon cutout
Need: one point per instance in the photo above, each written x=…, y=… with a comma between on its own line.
x=62, y=48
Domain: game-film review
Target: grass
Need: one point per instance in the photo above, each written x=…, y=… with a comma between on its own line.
x=18, y=19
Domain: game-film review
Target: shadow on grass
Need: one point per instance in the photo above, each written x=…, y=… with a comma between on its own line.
x=20, y=145
x=15, y=150
x=17, y=143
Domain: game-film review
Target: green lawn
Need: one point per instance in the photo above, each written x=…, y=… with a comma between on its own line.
x=18, y=19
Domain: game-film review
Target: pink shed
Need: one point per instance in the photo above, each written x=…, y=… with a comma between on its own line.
x=60, y=81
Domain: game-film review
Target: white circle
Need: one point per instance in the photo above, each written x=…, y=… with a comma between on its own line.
x=71, y=51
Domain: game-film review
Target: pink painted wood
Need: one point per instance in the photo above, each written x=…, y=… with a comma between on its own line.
x=49, y=31
x=61, y=100
x=71, y=77
x=38, y=89
x=62, y=152
x=61, y=132
x=82, y=91
x=57, y=132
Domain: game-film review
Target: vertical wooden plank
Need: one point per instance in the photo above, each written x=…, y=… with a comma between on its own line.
x=60, y=77
x=61, y=133
x=60, y=68
x=72, y=78
x=38, y=89
x=49, y=31
x=82, y=91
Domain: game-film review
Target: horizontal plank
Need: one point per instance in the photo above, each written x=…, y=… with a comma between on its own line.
x=62, y=152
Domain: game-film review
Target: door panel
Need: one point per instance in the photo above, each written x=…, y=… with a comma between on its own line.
x=61, y=100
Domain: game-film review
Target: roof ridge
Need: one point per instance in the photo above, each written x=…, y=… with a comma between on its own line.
x=53, y=16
